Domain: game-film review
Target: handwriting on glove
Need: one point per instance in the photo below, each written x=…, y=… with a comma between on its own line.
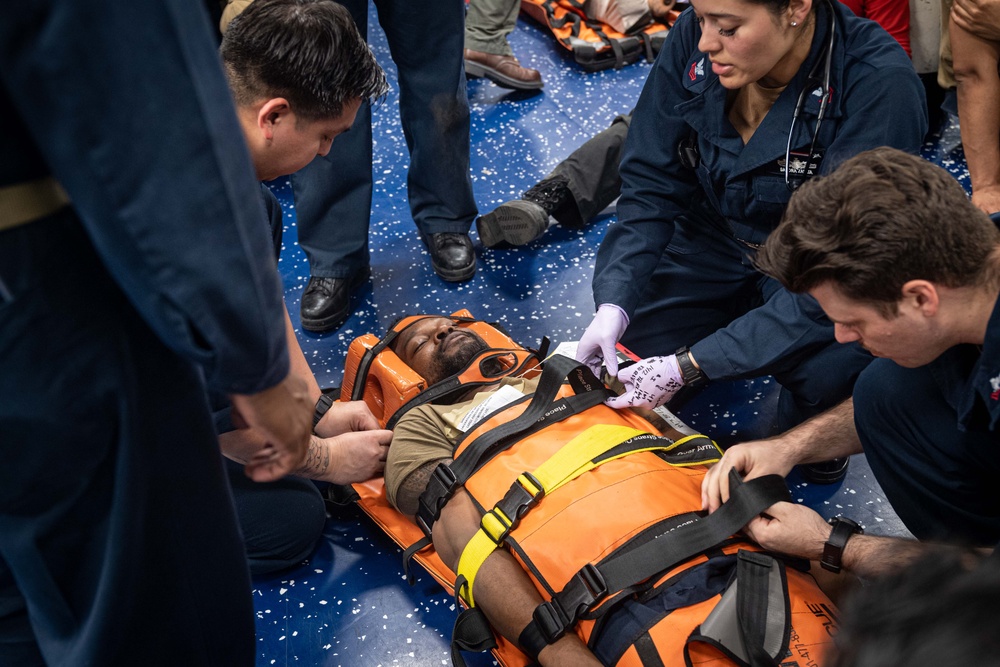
x=649, y=383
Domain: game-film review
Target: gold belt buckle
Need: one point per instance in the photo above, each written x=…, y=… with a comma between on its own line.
x=24, y=203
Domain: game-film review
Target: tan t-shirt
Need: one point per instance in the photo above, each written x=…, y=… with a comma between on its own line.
x=429, y=432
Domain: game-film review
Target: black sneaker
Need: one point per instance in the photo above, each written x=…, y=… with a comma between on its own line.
x=825, y=472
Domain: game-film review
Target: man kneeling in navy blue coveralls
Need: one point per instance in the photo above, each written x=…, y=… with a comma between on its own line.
x=298, y=70
x=902, y=262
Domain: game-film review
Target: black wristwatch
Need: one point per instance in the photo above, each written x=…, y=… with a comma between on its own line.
x=692, y=375
x=322, y=406
x=833, y=550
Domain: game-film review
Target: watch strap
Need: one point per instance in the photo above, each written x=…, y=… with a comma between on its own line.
x=833, y=550
x=322, y=407
x=691, y=374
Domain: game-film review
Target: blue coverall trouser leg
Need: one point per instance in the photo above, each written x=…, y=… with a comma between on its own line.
x=704, y=281
x=118, y=540
x=940, y=481
x=333, y=194
x=281, y=521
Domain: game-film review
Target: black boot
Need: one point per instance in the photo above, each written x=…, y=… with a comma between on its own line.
x=452, y=255
x=326, y=302
x=825, y=472
x=523, y=220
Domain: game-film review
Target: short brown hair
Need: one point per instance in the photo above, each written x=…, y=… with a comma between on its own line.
x=882, y=218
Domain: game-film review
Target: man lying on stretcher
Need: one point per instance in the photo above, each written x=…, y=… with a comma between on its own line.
x=426, y=436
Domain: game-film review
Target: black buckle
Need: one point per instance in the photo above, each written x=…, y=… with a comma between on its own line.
x=506, y=514
x=555, y=616
x=440, y=488
x=519, y=499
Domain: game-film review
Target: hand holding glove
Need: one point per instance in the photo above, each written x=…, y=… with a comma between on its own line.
x=649, y=383
x=598, y=342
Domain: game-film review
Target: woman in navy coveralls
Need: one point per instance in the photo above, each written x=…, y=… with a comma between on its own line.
x=679, y=262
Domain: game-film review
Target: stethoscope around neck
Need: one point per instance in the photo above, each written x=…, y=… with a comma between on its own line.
x=793, y=184
x=687, y=149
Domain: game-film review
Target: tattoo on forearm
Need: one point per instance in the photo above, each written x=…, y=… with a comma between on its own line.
x=317, y=459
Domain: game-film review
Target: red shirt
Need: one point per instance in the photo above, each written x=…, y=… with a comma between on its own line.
x=892, y=15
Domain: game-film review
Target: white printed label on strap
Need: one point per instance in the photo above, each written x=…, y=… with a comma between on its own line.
x=503, y=396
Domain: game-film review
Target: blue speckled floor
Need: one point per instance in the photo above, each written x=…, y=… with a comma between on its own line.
x=348, y=604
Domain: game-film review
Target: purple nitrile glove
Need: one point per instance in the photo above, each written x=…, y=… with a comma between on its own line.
x=649, y=383
x=598, y=341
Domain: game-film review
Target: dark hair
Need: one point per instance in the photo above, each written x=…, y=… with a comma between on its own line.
x=879, y=220
x=778, y=6
x=941, y=610
x=307, y=51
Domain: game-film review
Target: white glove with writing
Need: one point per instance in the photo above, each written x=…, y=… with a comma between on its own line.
x=649, y=383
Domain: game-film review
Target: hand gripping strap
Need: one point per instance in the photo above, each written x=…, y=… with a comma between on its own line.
x=626, y=567
x=595, y=446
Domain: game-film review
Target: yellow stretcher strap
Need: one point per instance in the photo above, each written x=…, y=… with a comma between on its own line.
x=22, y=203
x=582, y=453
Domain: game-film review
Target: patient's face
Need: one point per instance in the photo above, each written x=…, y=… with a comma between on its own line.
x=436, y=348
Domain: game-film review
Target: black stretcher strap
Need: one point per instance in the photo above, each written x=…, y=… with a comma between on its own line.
x=453, y=387
x=412, y=551
x=620, y=570
x=447, y=478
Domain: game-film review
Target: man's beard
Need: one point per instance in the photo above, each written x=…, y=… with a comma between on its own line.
x=456, y=355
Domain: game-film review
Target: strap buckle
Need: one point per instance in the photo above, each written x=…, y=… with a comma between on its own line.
x=555, y=616
x=440, y=488
x=496, y=525
x=522, y=495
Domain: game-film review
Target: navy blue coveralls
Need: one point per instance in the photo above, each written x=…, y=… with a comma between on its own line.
x=118, y=540
x=679, y=260
x=333, y=195
x=281, y=521
x=931, y=436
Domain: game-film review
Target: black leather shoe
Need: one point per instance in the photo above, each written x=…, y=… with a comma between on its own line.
x=326, y=302
x=825, y=472
x=452, y=255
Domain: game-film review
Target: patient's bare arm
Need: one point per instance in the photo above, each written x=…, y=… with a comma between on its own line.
x=503, y=590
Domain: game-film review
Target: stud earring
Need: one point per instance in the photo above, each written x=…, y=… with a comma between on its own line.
x=795, y=24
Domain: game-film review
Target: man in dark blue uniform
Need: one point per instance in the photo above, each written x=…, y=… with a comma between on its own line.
x=333, y=194
x=298, y=70
x=903, y=263
x=134, y=272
